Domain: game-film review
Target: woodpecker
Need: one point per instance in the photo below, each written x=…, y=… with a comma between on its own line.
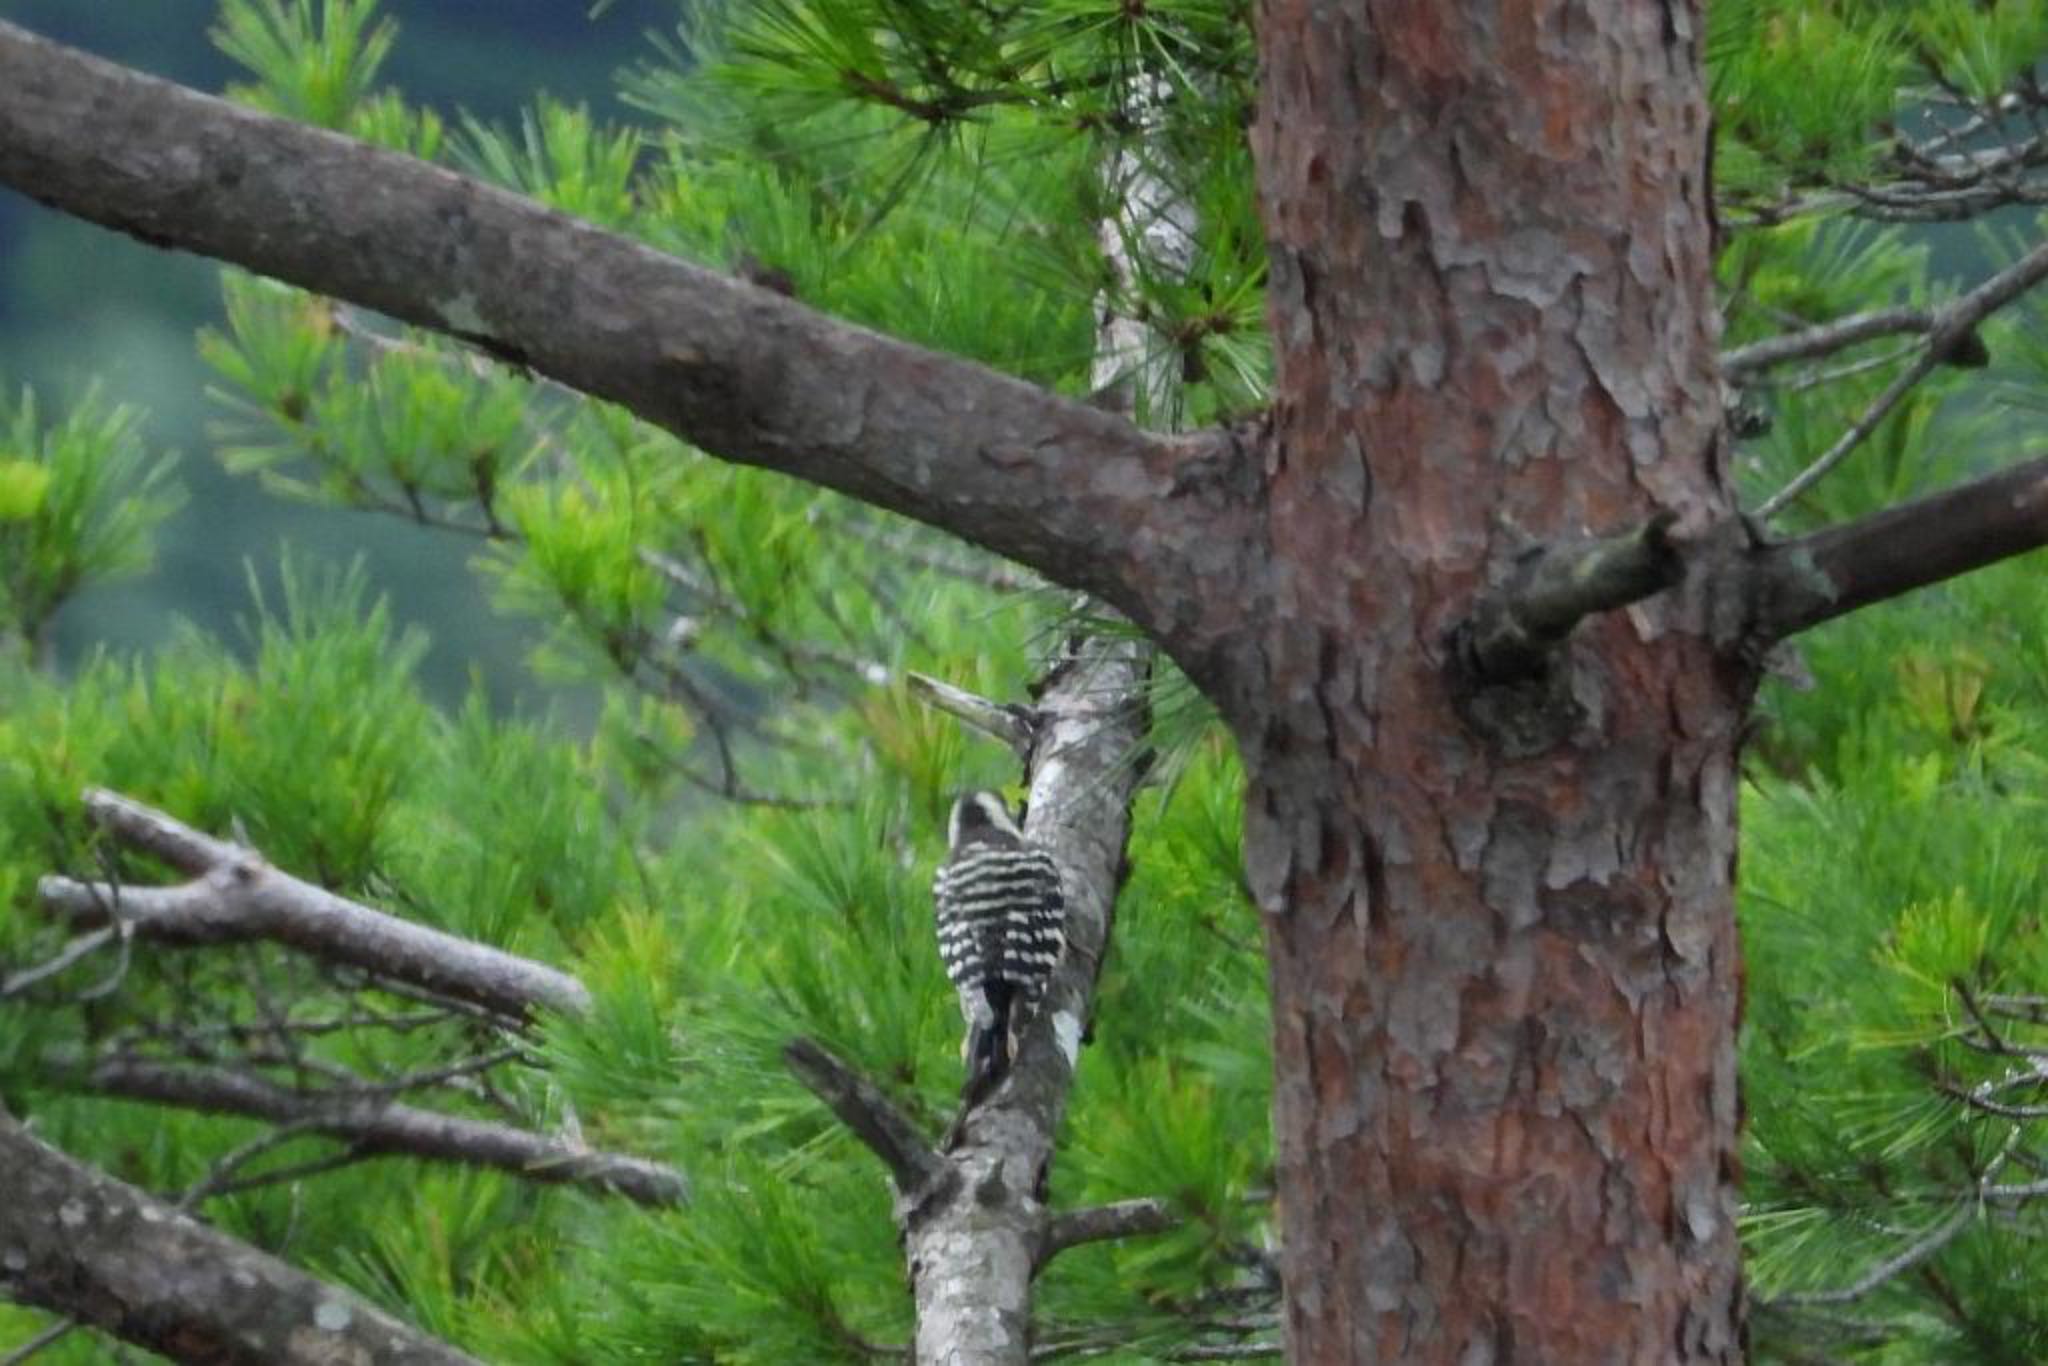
x=1001, y=917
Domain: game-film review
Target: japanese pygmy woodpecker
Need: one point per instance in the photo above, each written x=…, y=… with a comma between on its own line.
x=1001, y=920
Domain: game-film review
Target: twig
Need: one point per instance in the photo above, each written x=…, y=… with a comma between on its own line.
x=1979, y=1099
x=1823, y=339
x=1952, y=327
x=1814, y=379
x=45, y=1338
x=1014, y=725
x=293, y=1171
x=379, y=1126
x=1099, y=1223
x=1878, y=409
x=875, y=1119
x=77, y=948
x=224, y=1167
x=1914, y=1253
x=348, y=321
x=2020, y=1190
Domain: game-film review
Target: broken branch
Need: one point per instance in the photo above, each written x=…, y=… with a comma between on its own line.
x=864, y=1108
x=235, y=895
x=1100, y=1223
x=1013, y=725
x=1513, y=628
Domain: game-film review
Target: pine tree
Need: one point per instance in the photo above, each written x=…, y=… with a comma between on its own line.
x=1416, y=425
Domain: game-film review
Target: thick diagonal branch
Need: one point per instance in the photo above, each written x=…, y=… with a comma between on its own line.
x=77, y=1242
x=742, y=372
x=235, y=895
x=378, y=1125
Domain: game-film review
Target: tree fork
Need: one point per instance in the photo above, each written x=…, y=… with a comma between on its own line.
x=743, y=372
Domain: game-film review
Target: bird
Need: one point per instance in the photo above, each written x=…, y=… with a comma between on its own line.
x=1000, y=913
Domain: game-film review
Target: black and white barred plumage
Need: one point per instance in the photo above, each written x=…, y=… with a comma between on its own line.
x=1001, y=920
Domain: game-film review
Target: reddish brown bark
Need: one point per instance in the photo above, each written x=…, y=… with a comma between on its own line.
x=1504, y=965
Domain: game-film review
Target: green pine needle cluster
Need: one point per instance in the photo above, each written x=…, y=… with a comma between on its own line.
x=727, y=827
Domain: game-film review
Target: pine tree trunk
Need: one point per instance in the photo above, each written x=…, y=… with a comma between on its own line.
x=1504, y=966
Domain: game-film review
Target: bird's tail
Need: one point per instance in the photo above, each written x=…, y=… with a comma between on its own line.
x=988, y=1046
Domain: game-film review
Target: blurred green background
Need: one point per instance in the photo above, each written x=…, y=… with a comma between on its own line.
x=78, y=303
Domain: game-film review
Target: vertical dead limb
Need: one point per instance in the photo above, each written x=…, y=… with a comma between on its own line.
x=975, y=1227
x=973, y=1253
x=973, y=1249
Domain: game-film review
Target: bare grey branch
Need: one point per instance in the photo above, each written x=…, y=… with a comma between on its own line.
x=1013, y=725
x=1099, y=1223
x=1823, y=339
x=77, y=1242
x=236, y=896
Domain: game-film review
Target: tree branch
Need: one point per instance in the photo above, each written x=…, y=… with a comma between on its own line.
x=864, y=1108
x=1513, y=629
x=1799, y=584
x=1919, y=1250
x=741, y=372
x=1951, y=334
x=1013, y=725
x=235, y=896
x=378, y=1125
x=1099, y=1223
x=1823, y=339
x=77, y=1242
x=45, y=1338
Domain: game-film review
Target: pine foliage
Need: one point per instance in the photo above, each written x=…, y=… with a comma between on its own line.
x=726, y=827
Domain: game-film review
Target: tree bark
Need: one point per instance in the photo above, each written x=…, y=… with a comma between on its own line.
x=80, y=1243
x=1503, y=956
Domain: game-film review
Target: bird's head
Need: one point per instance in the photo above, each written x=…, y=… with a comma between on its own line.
x=976, y=815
